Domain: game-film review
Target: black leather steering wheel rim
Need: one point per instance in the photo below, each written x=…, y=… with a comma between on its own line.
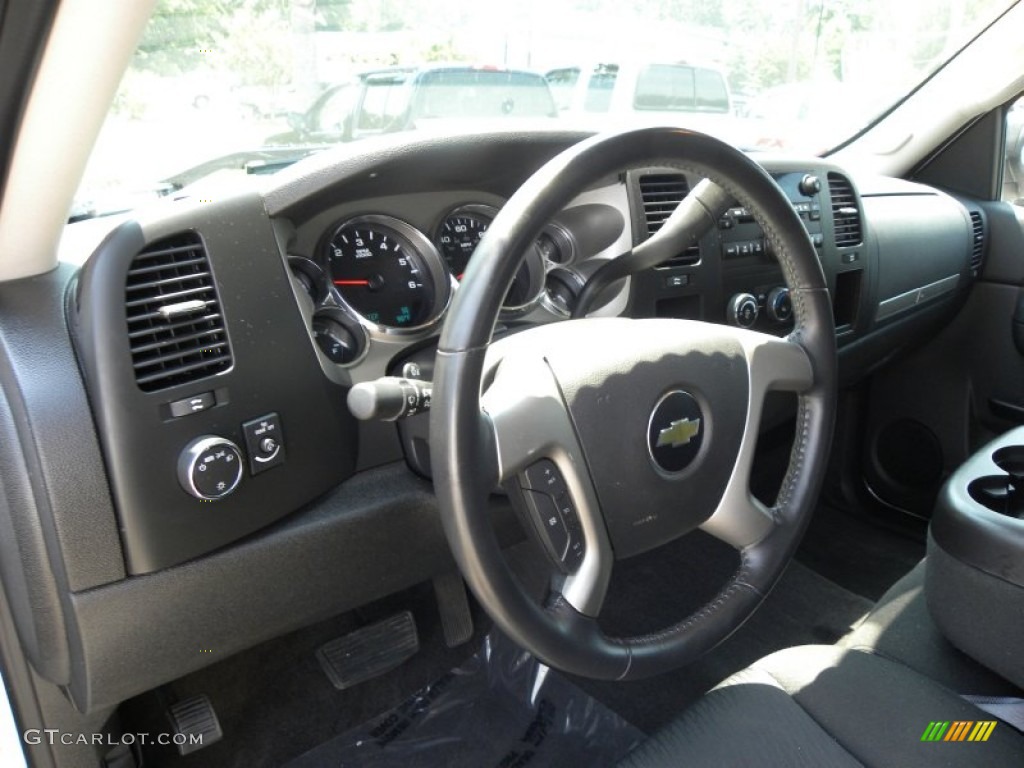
x=463, y=448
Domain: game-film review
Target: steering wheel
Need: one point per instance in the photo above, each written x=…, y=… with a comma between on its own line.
x=614, y=435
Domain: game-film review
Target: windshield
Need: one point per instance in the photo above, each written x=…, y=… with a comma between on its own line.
x=219, y=91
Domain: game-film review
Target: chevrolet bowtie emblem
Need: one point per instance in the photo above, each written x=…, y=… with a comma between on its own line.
x=678, y=433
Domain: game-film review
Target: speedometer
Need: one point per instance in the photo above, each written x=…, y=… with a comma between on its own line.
x=387, y=272
x=461, y=232
x=457, y=238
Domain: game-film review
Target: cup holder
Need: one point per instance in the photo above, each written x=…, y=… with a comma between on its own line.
x=1003, y=493
x=992, y=491
x=1011, y=461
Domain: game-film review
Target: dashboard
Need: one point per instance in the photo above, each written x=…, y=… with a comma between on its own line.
x=211, y=345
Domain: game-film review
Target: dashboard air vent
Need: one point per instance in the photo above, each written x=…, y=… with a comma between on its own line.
x=977, y=241
x=845, y=213
x=661, y=193
x=175, y=327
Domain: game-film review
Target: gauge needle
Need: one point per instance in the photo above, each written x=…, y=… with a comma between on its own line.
x=352, y=282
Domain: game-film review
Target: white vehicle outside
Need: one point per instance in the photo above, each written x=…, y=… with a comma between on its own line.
x=646, y=93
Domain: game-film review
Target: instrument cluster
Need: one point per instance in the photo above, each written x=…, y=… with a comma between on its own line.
x=394, y=280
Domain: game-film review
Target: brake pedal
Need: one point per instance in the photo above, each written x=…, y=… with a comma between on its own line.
x=453, y=605
x=368, y=652
x=195, y=724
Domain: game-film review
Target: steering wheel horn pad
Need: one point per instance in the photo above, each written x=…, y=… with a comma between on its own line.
x=586, y=395
x=613, y=375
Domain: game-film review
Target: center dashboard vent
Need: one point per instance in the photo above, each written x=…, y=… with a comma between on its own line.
x=977, y=241
x=845, y=212
x=661, y=193
x=175, y=327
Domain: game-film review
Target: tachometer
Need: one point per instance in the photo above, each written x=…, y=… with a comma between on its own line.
x=388, y=272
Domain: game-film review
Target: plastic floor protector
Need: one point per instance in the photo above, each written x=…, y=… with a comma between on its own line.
x=500, y=709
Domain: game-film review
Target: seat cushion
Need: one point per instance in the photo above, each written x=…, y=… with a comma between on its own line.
x=826, y=706
x=901, y=628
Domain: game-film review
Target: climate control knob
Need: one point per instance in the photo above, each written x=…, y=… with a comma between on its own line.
x=210, y=467
x=742, y=310
x=779, y=305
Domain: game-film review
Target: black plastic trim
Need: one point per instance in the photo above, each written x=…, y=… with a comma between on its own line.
x=376, y=534
x=56, y=509
x=275, y=370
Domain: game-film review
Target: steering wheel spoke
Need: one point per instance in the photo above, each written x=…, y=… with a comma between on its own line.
x=541, y=464
x=779, y=365
x=773, y=365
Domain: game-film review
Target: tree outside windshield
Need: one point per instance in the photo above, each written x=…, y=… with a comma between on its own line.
x=219, y=77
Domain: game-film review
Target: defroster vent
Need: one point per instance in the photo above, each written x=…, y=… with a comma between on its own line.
x=845, y=211
x=661, y=193
x=175, y=326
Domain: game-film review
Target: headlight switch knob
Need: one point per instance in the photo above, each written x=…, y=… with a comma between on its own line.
x=210, y=467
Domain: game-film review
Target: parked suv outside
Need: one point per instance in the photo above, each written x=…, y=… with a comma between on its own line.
x=695, y=96
x=390, y=100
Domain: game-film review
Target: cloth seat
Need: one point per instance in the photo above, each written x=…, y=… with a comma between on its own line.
x=826, y=706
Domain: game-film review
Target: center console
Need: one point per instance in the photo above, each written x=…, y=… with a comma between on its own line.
x=975, y=565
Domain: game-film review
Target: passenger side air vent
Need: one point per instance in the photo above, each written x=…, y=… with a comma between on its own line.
x=661, y=193
x=977, y=241
x=845, y=213
x=175, y=327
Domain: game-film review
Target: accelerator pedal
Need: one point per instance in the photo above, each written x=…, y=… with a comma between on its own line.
x=453, y=605
x=368, y=652
x=195, y=724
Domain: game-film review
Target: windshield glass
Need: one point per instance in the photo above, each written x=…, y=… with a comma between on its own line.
x=219, y=91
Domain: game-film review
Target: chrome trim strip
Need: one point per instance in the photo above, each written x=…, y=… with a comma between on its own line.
x=915, y=296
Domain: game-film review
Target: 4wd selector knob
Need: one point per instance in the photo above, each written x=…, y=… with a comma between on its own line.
x=742, y=310
x=779, y=305
x=809, y=185
x=210, y=467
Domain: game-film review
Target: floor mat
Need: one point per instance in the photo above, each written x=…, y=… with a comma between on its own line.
x=858, y=552
x=501, y=708
x=274, y=701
